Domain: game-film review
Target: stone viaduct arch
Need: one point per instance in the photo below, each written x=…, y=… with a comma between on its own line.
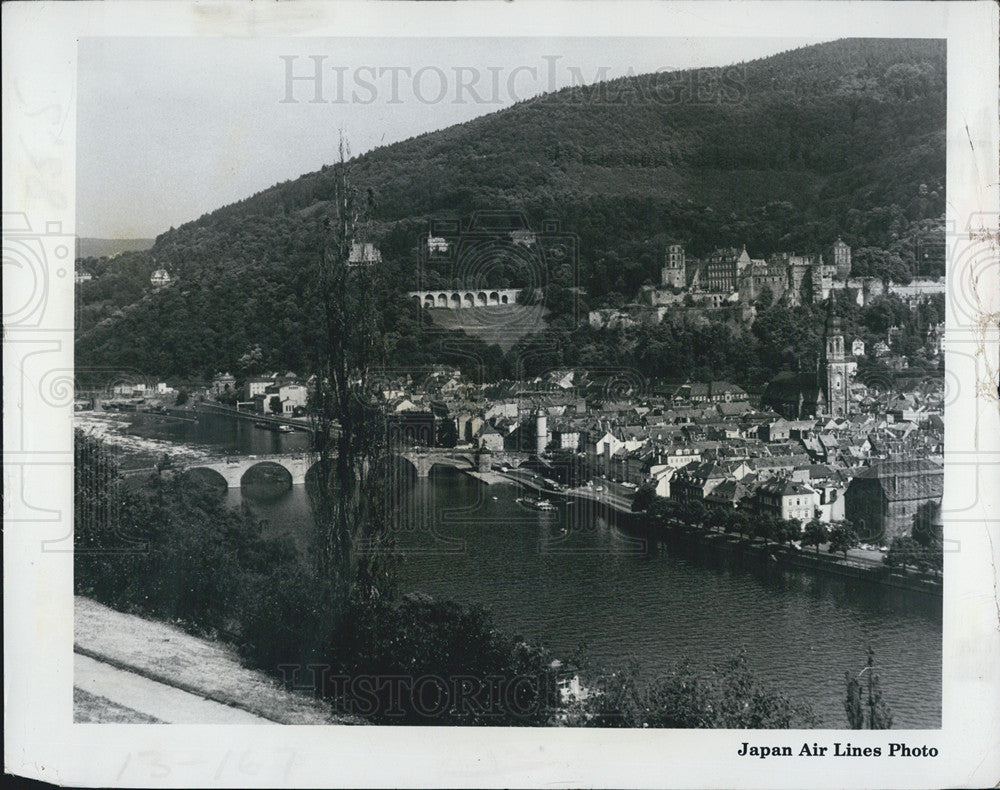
x=465, y=298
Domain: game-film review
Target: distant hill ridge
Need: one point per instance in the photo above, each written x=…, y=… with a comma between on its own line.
x=795, y=126
x=87, y=247
x=783, y=153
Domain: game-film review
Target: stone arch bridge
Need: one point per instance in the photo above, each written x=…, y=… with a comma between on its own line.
x=464, y=299
x=233, y=469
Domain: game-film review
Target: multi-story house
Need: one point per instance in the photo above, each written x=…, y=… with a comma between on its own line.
x=783, y=497
x=696, y=481
x=257, y=386
x=293, y=396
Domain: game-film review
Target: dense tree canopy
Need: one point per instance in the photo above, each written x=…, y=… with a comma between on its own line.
x=855, y=147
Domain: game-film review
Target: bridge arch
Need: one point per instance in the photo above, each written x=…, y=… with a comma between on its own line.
x=463, y=298
x=456, y=462
x=265, y=480
x=210, y=477
x=423, y=462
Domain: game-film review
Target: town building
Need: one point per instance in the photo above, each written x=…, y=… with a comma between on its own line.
x=723, y=268
x=710, y=392
x=677, y=457
x=729, y=493
x=542, y=435
x=223, y=383
x=130, y=390
x=826, y=391
x=785, y=498
x=160, y=278
x=674, y=271
x=839, y=369
x=293, y=396
x=436, y=245
x=364, y=253
x=696, y=481
x=838, y=255
x=566, y=436
x=257, y=386
x=882, y=499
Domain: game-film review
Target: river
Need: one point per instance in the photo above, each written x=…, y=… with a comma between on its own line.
x=576, y=581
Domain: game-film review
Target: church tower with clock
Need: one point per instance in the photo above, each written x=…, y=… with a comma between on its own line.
x=840, y=369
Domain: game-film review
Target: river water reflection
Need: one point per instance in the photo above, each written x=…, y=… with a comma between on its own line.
x=574, y=577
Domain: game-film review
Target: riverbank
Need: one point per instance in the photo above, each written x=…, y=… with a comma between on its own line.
x=788, y=557
x=563, y=588
x=489, y=478
x=864, y=569
x=301, y=423
x=129, y=448
x=136, y=452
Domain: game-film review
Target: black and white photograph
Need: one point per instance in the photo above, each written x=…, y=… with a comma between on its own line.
x=546, y=383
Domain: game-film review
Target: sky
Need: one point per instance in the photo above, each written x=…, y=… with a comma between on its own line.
x=169, y=129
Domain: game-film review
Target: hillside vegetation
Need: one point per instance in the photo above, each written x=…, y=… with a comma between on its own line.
x=782, y=153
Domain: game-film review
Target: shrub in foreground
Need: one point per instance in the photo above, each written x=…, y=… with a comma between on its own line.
x=725, y=695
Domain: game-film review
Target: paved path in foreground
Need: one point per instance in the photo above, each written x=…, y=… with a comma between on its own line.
x=206, y=669
x=166, y=703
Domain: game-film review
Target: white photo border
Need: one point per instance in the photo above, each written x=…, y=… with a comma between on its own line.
x=39, y=123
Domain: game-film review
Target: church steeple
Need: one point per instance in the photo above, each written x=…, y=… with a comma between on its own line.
x=838, y=368
x=834, y=336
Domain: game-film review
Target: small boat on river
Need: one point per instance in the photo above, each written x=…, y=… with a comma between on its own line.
x=535, y=504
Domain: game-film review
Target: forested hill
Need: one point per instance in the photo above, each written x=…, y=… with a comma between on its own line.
x=782, y=153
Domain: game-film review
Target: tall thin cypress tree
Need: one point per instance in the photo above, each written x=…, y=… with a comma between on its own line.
x=352, y=496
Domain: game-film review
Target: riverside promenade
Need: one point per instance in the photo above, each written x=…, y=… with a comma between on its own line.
x=860, y=564
x=607, y=495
